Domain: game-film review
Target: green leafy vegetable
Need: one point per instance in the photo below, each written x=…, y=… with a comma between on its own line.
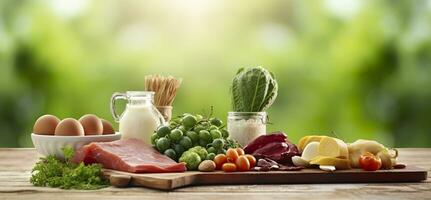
x=253, y=90
x=52, y=172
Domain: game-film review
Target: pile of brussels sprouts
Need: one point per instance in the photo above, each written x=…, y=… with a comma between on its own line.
x=178, y=139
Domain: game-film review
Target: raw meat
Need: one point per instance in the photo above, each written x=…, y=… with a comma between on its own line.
x=261, y=141
x=274, y=146
x=130, y=155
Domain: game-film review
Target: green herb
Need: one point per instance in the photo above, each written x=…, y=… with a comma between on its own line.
x=253, y=90
x=231, y=143
x=52, y=172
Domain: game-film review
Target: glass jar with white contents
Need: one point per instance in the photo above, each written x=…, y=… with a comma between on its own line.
x=244, y=127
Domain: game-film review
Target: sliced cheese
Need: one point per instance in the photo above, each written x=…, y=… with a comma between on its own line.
x=333, y=147
x=339, y=163
x=304, y=141
x=310, y=151
x=328, y=168
x=299, y=162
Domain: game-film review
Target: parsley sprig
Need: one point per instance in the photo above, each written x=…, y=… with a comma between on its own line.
x=52, y=172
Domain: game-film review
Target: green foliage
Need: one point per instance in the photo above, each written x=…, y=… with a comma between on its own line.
x=253, y=90
x=52, y=172
x=361, y=70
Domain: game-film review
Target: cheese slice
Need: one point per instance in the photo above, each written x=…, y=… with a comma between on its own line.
x=298, y=161
x=333, y=147
x=339, y=163
x=304, y=141
x=310, y=151
x=327, y=168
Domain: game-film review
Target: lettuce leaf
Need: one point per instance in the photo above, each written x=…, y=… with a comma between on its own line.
x=253, y=90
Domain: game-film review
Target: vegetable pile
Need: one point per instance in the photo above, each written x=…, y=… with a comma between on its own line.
x=50, y=171
x=234, y=160
x=253, y=90
x=192, y=139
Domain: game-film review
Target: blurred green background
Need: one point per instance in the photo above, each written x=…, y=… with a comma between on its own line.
x=359, y=68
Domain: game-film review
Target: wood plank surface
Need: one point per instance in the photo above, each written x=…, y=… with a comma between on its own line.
x=169, y=181
x=15, y=166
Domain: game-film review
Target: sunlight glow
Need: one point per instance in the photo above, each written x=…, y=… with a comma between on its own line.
x=68, y=8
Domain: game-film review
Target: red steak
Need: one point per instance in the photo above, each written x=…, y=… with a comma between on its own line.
x=130, y=155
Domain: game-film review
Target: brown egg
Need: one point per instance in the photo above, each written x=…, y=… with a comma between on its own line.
x=45, y=125
x=92, y=124
x=69, y=127
x=107, y=127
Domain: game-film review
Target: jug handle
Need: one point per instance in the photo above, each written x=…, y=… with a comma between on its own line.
x=114, y=98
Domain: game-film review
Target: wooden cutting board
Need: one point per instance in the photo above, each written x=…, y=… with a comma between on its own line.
x=169, y=181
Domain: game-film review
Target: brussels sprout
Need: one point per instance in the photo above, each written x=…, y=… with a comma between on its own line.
x=186, y=142
x=182, y=128
x=163, y=144
x=189, y=121
x=198, y=128
x=212, y=127
x=162, y=131
x=191, y=159
x=200, y=150
x=210, y=156
x=215, y=134
x=218, y=143
x=176, y=134
x=216, y=122
x=193, y=135
x=179, y=149
x=204, y=135
x=154, y=137
x=171, y=154
x=224, y=133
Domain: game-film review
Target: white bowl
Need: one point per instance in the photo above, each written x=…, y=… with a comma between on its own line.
x=52, y=144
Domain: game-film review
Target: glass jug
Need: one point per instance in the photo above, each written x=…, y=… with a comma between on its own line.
x=140, y=118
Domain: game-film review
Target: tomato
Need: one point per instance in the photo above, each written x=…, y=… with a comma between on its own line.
x=229, y=167
x=219, y=160
x=240, y=151
x=370, y=162
x=251, y=159
x=232, y=155
x=242, y=163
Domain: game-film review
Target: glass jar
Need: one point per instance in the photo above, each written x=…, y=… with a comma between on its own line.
x=244, y=127
x=166, y=112
x=140, y=118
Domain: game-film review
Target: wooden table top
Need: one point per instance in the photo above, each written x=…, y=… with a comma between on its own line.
x=15, y=166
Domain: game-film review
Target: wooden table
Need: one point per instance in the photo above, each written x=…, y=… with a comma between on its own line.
x=15, y=166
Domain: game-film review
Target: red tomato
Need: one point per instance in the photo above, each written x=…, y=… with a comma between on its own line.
x=240, y=151
x=370, y=162
x=251, y=159
x=229, y=167
x=219, y=160
x=242, y=163
x=232, y=155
